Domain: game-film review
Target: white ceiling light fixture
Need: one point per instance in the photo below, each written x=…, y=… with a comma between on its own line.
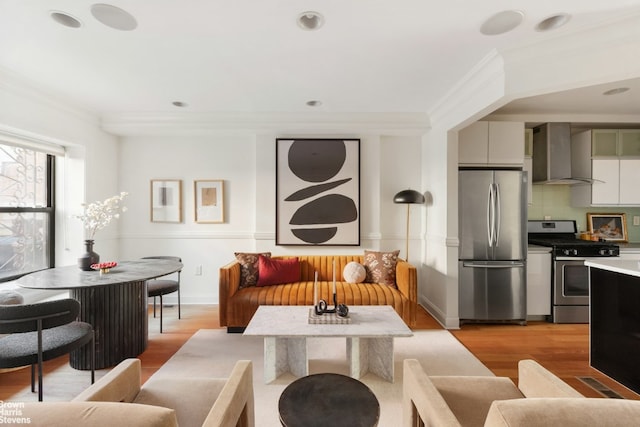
x=310, y=20
x=502, y=22
x=553, y=22
x=114, y=17
x=616, y=91
x=65, y=19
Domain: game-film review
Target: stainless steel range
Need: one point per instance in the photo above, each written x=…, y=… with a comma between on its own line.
x=569, y=275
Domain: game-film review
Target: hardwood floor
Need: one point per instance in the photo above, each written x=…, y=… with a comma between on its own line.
x=563, y=349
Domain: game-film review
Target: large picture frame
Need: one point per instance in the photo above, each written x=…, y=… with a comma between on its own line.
x=317, y=192
x=166, y=200
x=209, y=201
x=611, y=227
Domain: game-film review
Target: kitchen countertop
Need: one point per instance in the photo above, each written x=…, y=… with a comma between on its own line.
x=617, y=265
x=631, y=247
x=537, y=249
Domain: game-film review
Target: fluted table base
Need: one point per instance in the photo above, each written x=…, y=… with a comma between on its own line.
x=118, y=314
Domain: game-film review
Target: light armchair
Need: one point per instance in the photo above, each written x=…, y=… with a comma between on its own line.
x=454, y=401
x=201, y=401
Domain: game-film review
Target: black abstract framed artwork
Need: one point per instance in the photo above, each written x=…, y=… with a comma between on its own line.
x=318, y=192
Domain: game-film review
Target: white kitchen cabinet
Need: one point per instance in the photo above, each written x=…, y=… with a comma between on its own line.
x=629, y=181
x=606, y=189
x=491, y=143
x=538, y=283
x=612, y=158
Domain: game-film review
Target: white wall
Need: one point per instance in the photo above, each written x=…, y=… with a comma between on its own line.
x=28, y=113
x=246, y=163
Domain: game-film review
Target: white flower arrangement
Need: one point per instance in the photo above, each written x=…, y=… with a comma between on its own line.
x=98, y=215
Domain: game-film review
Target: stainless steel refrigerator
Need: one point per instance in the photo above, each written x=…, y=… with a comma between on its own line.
x=492, y=271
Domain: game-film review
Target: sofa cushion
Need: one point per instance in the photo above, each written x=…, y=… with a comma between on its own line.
x=277, y=271
x=191, y=398
x=470, y=398
x=96, y=414
x=249, y=267
x=381, y=266
x=564, y=412
x=354, y=272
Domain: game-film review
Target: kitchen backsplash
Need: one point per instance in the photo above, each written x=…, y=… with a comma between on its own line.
x=555, y=201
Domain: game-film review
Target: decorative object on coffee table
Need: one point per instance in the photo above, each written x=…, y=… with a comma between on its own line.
x=321, y=307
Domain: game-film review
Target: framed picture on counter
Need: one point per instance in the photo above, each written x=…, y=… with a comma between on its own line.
x=611, y=227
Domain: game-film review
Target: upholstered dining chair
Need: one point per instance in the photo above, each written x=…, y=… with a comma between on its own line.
x=160, y=287
x=40, y=332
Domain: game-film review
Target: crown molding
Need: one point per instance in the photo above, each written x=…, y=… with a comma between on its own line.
x=138, y=124
x=18, y=85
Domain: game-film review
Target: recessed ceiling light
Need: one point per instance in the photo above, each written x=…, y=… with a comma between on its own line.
x=553, y=22
x=65, y=19
x=114, y=17
x=616, y=91
x=502, y=22
x=310, y=20
x=314, y=103
x=180, y=104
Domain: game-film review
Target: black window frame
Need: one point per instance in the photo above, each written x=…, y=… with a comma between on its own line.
x=50, y=210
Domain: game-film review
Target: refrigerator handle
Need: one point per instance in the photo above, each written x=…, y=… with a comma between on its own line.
x=490, y=206
x=484, y=264
x=497, y=217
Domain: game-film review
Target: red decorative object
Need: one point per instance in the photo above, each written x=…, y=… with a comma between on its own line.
x=104, y=267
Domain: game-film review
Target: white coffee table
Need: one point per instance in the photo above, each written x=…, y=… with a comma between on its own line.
x=369, y=339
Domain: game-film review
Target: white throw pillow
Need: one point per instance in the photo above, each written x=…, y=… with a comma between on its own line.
x=354, y=272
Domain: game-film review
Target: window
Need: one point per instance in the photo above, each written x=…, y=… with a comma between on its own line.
x=26, y=211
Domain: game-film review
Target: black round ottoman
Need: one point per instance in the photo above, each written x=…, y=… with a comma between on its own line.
x=328, y=400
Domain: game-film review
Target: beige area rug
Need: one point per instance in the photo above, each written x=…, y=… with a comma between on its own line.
x=214, y=352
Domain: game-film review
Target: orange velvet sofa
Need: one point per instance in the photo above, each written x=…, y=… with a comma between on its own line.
x=238, y=305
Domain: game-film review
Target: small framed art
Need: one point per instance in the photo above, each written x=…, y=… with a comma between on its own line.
x=611, y=227
x=166, y=200
x=209, y=199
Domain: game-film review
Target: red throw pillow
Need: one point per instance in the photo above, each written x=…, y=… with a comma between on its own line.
x=277, y=271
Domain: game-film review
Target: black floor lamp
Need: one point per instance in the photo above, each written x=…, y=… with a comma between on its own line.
x=408, y=197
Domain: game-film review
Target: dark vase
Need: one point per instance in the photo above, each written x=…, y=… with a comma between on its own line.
x=89, y=257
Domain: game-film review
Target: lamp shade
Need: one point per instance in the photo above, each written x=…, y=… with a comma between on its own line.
x=408, y=196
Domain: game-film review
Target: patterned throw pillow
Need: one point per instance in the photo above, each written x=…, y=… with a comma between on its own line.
x=249, y=267
x=381, y=267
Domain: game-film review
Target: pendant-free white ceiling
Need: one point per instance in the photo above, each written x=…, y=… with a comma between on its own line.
x=252, y=56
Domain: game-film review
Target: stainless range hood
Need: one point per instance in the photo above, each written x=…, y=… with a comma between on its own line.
x=552, y=155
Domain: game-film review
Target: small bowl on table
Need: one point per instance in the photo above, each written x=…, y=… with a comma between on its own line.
x=104, y=267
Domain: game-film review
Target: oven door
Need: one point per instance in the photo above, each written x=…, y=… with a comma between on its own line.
x=571, y=282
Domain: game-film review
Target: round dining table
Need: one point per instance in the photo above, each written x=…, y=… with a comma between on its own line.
x=114, y=303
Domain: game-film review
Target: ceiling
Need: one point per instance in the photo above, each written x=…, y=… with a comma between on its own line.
x=251, y=56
